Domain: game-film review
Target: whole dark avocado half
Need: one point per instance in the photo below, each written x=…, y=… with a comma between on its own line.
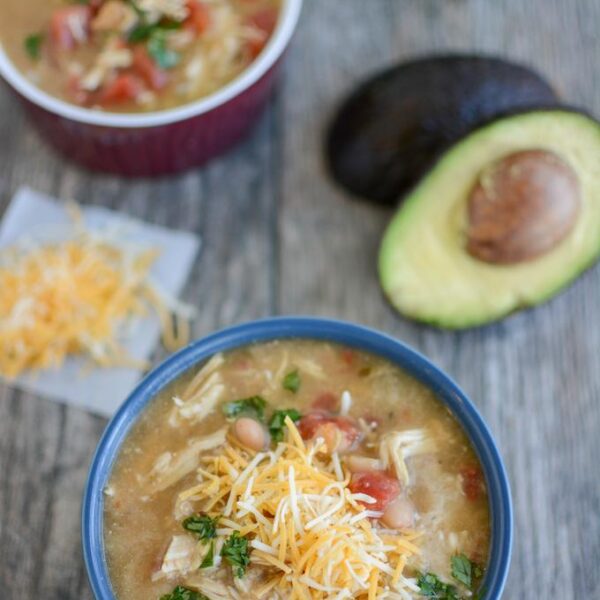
x=505, y=219
x=387, y=133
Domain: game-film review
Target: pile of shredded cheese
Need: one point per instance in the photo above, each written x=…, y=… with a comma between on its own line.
x=76, y=297
x=314, y=537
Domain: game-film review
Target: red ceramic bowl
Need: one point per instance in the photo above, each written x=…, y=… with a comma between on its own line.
x=162, y=142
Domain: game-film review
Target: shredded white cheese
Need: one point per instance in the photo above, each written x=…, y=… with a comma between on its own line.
x=305, y=527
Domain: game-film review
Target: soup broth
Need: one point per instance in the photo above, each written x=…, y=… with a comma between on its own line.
x=365, y=487
x=138, y=55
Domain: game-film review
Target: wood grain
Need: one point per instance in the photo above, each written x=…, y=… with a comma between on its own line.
x=280, y=238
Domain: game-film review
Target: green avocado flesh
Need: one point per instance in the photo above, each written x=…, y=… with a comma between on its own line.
x=424, y=267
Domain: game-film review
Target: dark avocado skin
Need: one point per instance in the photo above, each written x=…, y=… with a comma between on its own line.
x=387, y=134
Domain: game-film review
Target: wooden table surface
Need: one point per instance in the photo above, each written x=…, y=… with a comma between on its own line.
x=280, y=239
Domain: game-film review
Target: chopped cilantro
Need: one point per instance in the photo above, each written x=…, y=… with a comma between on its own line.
x=144, y=30
x=431, y=587
x=291, y=381
x=141, y=32
x=461, y=569
x=208, y=560
x=277, y=422
x=202, y=525
x=252, y=407
x=183, y=593
x=155, y=36
x=235, y=552
x=33, y=45
x=164, y=57
x=136, y=8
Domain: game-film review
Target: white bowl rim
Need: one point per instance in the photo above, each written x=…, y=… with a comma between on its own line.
x=290, y=12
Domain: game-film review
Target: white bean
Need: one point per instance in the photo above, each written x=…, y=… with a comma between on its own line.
x=399, y=514
x=250, y=433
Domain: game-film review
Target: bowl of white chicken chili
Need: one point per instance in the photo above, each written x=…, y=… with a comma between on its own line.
x=144, y=87
x=297, y=458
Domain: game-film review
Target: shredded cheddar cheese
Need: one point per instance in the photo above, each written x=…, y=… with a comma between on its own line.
x=76, y=297
x=314, y=538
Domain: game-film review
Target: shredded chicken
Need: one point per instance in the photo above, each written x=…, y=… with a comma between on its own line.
x=248, y=588
x=76, y=22
x=397, y=446
x=199, y=406
x=213, y=589
x=156, y=9
x=113, y=56
x=181, y=39
x=170, y=468
x=201, y=395
x=115, y=15
x=282, y=368
x=210, y=367
x=183, y=555
x=310, y=367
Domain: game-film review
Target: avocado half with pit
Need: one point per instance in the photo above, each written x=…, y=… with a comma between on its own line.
x=504, y=220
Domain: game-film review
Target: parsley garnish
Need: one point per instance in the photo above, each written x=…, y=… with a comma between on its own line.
x=431, y=587
x=144, y=31
x=33, y=45
x=164, y=57
x=277, y=422
x=155, y=36
x=208, y=560
x=183, y=593
x=465, y=571
x=235, y=552
x=291, y=381
x=253, y=407
x=461, y=569
x=202, y=525
x=141, y=32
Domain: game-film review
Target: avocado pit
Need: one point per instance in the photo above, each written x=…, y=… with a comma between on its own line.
x=522, y=207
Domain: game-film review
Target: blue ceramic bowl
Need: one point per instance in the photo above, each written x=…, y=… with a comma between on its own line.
x=298, y=327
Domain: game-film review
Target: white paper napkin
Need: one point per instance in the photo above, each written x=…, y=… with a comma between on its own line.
x=100, y=390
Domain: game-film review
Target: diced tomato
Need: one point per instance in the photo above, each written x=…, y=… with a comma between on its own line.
x=348, y=356
x=319, y=424
x=199, y=17
x=265, y=21
x=124, y=88
x=70, y=26
x=77, y=94
x=310, y=424
x=144, y=66
x=472, y=482
x=242, y=364
x=478, y=555
x=383, y=488
x=326, y=402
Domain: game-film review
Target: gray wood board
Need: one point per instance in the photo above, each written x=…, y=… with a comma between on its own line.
x=279, y=238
